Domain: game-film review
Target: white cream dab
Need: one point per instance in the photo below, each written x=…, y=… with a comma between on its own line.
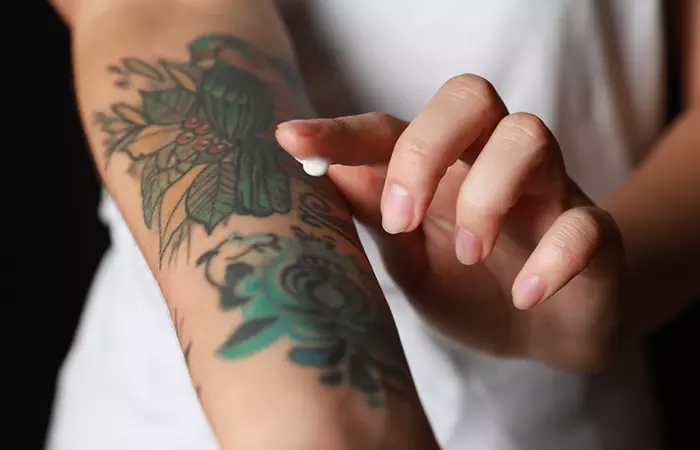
x=315, y=167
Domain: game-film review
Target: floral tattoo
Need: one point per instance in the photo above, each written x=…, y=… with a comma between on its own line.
x=202, y=136
x=201, y=140
x=300, y=287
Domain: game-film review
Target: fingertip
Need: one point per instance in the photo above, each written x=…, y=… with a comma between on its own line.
x=286, y=137
x=528, y=291
x=293, y=137
x=398, y=209
x=290, y=136
x=300, y=127
x=468, y=247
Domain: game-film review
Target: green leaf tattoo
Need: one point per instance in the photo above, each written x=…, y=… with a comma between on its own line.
x=169, y=105
x=138, y=67
x=301, y=288
x=252, y=336
x=202, y=135
x=211, y=198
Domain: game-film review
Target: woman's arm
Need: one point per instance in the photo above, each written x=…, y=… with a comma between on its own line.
x=285, y=331
x=658, y=209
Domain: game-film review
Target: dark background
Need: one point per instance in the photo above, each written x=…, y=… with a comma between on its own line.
x=72, y=241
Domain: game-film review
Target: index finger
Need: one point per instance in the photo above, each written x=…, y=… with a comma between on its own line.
x=359, y=140
x=461, y=116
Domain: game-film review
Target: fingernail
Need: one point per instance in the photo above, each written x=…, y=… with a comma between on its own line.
x=303, y=128
x=468, y=247
x=397, y=210
x=528, y=291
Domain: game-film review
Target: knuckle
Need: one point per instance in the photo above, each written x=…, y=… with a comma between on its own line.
x=608, y=237
x=381, y=117
x=586, y=223
x=342, y=125
x=527, y=129
x=416, y=162
x=578, y=236
x=387, y=125
x=469, y=86
x=480, y=206
x=413, y=149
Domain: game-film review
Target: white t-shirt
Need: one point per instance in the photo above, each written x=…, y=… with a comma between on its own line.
x=592, y=70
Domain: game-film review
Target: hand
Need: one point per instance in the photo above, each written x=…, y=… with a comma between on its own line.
x=479, y=223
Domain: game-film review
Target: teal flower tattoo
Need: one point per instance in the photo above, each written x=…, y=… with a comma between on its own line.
x=302, y=288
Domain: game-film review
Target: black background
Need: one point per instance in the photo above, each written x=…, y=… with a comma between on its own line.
x=56, y=239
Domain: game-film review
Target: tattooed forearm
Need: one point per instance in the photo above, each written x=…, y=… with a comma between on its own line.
x=201, y=139
x=301, y=287
x=202, y=136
